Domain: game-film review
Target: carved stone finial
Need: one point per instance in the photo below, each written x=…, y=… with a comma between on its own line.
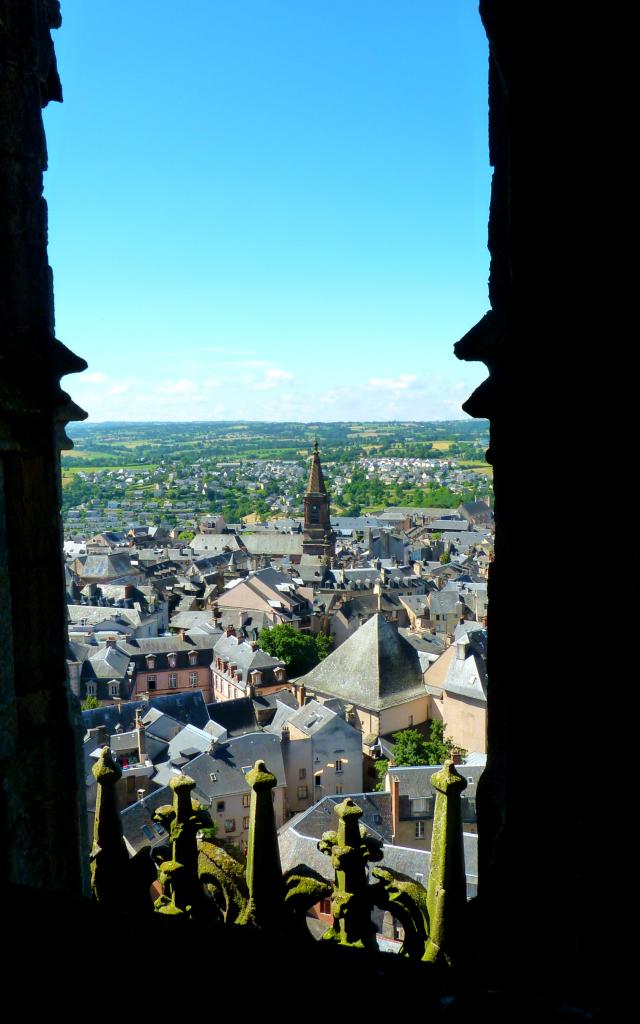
x=265, y=905
x=109, y=858
x=181, y=887
x=351, y=848
x=446, y=890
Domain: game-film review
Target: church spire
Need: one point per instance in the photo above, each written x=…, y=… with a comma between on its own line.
x=316, y=483
x=318, y=536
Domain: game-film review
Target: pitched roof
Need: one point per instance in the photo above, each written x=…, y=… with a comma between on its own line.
x=316, y=483
x=236, y=716
x=375, y=668
x=187, y=708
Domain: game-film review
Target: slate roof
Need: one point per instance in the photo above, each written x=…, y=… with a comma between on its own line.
x=140, y=814
x=245, y=657
x=228, y=760
x=105, y=566
x=298, y=839
x=311, y=718
x=105, y=662
x=415, y=782
x=277, y=544
x=188, y=708
x=216, y=543
x=375, y=668
x=236, y=716
x=468, y=677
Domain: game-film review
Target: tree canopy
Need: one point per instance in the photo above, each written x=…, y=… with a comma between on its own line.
x=411, y=748
x=299, y=651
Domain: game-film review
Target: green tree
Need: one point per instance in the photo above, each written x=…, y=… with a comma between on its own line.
x=445, y=557
x=90, y=703
x=299, y=651
x=324, y=645
x=411, y=748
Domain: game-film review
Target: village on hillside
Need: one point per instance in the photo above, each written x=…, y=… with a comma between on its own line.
x=346, y=652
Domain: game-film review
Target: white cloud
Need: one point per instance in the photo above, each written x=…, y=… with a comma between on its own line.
x=400, y=383
x=96, y=378
x=178, y=387
x=272, y=378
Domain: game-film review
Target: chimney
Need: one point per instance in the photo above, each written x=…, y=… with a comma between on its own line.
x=99, y=734
x=141, y=794
x=110, y=641
x=456, y=757
x=141, y=737
x=181, y=632
x=461, y=649
x=394, y=787
x=302, y=695
x=229, y=631
x=251, y=690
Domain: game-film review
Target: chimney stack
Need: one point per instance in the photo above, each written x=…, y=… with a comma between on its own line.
x=394, y=787
x=302, y=695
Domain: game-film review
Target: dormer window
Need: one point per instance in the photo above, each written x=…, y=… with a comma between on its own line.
x=114, y=689
x=193, y=658
x=151, y=662
x=92, y=689
x=172, y=659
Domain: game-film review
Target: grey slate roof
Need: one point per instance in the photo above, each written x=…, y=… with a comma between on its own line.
x=468, y=677
x=188, y=708
x=228, y=760
x=375, y=668
x=313, y=717
x=298, y=839
x=236, y=716
x=245, y=657
x=275, y=543
x=140, y=814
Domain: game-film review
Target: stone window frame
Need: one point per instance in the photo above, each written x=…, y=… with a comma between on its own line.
x=303, y=792
x=419, y=830
x=173, y=681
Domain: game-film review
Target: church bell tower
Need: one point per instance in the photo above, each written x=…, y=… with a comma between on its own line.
x=318, y=536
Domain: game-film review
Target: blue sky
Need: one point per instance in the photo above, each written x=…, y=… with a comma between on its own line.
x=269, y=209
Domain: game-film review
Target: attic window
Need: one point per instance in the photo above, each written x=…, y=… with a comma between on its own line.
x=193, y=658
x=91, y=689
x=245, y=768
x=151, y=662
x=172, y=658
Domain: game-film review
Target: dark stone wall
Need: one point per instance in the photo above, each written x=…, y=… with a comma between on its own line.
x=42, y=786
x=560, y=398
